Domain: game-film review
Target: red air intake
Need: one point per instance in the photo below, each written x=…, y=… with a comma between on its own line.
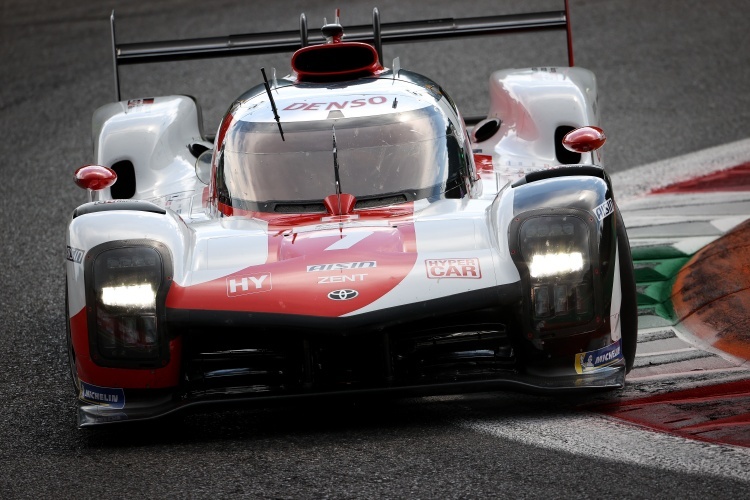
x=335, y=62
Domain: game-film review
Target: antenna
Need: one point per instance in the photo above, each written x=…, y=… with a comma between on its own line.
x=336, y=167
x=114, y=55
x=376, y=34
x=333, y=32
x=273, y=106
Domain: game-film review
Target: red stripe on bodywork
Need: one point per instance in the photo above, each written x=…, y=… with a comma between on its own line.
x=281, y=222
x=285, y=284
x=204, y=197
x=138, y=378
x=484, y=163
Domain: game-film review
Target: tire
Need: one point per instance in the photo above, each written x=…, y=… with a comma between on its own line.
x=629, y=305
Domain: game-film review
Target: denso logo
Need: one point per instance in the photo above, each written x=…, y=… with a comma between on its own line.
x=328, y=106
x=251, y=283
x=453, y=268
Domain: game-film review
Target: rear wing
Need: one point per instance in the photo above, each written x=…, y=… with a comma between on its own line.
x=377, y=34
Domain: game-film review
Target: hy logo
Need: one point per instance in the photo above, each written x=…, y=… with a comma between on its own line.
x=342, y=294
x=251, y=283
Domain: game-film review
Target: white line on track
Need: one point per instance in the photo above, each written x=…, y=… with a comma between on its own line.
x=661, y=353
x=594, y=435
x=728, y=375
x=641, y=180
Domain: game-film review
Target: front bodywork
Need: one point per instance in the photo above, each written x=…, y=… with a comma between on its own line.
x=432, y=313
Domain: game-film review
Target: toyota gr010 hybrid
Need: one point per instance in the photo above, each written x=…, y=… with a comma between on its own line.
x=343, y=233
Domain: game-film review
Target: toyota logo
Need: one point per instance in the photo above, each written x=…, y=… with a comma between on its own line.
x=342, y=294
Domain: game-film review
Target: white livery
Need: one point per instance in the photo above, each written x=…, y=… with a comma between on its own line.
x=344, y=232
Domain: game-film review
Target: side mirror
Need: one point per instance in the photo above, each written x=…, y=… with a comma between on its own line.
x=203, y=166
x=94, y=178
x=584, y=139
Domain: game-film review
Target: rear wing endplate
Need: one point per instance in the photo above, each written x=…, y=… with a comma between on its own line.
x=376, y=34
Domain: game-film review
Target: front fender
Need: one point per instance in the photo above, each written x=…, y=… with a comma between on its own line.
x=91, y=227
x=97, y=227
x=554, y=197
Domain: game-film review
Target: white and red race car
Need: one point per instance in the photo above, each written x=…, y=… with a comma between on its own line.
x=344, y=234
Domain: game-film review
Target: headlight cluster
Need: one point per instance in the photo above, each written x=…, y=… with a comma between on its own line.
x=126, y=281
x=556, y=251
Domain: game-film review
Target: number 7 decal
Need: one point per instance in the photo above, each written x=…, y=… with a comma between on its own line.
x=345, y=240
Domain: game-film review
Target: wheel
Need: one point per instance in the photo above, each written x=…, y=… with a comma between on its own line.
x=69, y=342
x=629, y=304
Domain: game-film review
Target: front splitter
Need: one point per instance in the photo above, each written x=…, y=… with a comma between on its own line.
x=90, y=415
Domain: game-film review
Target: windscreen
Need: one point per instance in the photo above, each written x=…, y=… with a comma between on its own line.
x=396, y=157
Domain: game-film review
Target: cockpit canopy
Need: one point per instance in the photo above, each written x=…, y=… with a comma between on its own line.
x=391, y=147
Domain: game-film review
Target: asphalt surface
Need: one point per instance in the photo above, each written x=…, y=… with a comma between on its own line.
x=673, y=79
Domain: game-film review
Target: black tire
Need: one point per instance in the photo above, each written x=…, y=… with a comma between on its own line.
x=629, y=305
x=69, y=343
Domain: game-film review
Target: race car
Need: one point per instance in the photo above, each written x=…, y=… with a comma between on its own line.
x=344, y=234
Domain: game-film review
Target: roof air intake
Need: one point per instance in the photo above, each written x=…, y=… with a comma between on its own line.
x=335, y=61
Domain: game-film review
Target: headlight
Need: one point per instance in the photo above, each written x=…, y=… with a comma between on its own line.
x=142, y=296
x=124, y=323
x=552, y=264
x=556, y=251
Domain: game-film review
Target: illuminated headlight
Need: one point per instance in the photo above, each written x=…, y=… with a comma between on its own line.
x=556, y=251
x=126, y=282
x=553, y=264
x=129, y=296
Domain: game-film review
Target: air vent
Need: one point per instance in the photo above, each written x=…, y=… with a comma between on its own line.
x=335, y=61
x=305, y=208
x=124, y=188
x=564, y=156
x=299, y=208
x=380, y=202
x=485, y=129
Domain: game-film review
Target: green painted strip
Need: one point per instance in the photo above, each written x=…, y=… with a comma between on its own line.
x=656, y=253
x=658, y=270
x=654, y=292
x=654, y=278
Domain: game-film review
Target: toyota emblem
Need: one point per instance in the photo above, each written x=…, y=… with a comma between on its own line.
x=342, y=294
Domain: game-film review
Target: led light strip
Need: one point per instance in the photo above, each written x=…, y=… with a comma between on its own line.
x=129, y=296
x=555, y=263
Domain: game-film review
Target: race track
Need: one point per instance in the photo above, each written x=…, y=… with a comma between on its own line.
x=673, y=81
